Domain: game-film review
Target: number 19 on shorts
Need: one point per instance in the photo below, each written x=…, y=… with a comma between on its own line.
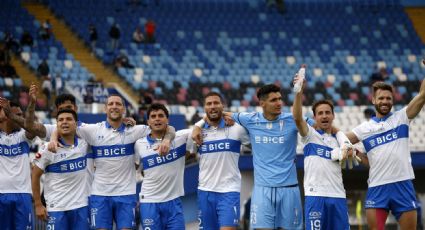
x=315, y=224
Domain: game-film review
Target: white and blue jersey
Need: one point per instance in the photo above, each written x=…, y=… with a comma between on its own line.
x=386, y=141
x=323, y=187
x=15, y=181
x=274, y=148
x=50, y=128
x=322, y=176
x=65, y=182
x=15, y=174
x=163, y=175
x=219, y=156
x=114, y=158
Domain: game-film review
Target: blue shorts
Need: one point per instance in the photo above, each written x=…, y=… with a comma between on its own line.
x=104, y=209
x=326, y=213
x=164, y=215
x=396, y=197
x=218, y=209
x=274, y=207
x=15, y=211
x=73, y=219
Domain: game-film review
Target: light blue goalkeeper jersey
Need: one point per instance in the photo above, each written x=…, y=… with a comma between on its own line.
x=274, y=146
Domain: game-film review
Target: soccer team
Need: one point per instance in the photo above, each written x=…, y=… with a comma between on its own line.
x=90, y=169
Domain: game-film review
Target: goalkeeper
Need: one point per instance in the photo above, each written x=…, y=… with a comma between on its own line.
x=325, y=200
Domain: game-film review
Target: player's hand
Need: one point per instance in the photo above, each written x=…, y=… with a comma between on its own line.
x=353, y=159
x=228, y=120
x=129, y=121
x=33, y=93
x=296, y=78
x=346, y=149
x=334, y=130
x=197, y=135
x=53, y=146
x=164, y=147
x=41, y=212
x=338, y=154
x=3, y=117
x=4, y=103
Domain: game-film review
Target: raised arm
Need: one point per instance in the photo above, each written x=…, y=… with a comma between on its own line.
x=31, y=126
x=40, y=210
x=417, y=103
x=297, y=112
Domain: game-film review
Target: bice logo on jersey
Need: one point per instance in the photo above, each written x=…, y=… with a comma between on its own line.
x=14, y=150
x=323, y=152
x=383, y=139
x=73, y=165
x=64, y=167
x=111, y=151
x=269, y=140
x=157, y=160
x=222, y=146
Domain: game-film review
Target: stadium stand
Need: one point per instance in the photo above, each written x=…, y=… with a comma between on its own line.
x=16, y=20
x=236, y=46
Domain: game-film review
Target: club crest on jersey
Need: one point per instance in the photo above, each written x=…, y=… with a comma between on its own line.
x=257, y=121
x=64, y=167
x=37, y=155
x=269, y=125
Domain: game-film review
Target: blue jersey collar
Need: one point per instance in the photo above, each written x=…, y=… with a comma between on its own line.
x=65, y=144
x=377, y=119
x=321, y=132
x=151, y=140
x=221, y=124
x=120, y=129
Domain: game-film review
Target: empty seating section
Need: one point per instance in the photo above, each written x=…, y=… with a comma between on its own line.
x=17, y=20
x=246, y=44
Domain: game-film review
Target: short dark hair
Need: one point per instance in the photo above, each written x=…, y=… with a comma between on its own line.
x=211, y=94
x=14, y=104
x=381, y=86
x=322, y=102
x=74, y=114
x=115, y=95
x=62, y=98
x=155, y=107
x=264, y=91
x=368, y=113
